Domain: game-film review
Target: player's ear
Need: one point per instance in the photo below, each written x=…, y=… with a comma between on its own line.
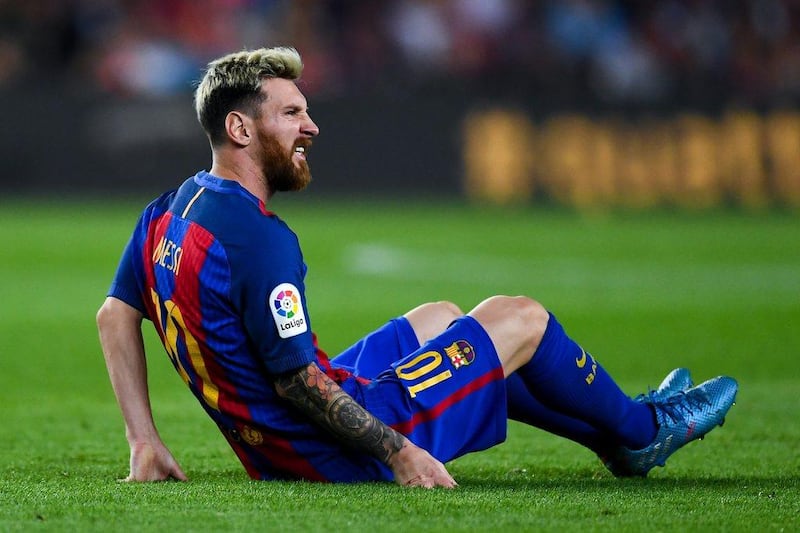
x=238, y=127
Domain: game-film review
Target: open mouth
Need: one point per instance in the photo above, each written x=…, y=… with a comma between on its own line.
x=300, y=150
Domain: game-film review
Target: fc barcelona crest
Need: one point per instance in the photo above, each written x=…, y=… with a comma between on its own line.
x=461, y=353
x=252, y=436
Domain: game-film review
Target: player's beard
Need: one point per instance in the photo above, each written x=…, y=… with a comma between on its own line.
x=280, y=171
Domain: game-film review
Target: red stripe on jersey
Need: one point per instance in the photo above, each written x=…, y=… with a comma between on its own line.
x=186, y=295
x=434, y=412
x=263, y=208
x=243, y=456
x=279, y=451
x=336, y=374
x=153, y=233
x=196, y=244
x=283, y=460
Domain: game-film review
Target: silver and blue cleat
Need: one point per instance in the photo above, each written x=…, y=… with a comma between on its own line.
x=682, y=416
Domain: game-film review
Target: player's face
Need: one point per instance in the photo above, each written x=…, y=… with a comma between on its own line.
x=285, y=130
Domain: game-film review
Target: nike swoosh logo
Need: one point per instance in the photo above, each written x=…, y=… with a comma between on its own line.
x=582, y=361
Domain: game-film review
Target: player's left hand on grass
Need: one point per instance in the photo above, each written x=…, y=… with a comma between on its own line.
x=415, y=467
x=153, y=462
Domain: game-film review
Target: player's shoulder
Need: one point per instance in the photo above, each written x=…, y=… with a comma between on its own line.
x=157, y=208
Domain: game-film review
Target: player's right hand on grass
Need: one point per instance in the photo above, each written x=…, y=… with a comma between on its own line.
x=415, y=467
x=153, y=462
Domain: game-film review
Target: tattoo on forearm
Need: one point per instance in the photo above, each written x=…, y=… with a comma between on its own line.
x=314, y=393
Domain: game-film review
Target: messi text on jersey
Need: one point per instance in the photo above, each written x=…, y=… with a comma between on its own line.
x=168, y=255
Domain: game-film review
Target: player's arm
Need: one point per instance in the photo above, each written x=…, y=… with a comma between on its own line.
x=319, y=397
x=119, y=326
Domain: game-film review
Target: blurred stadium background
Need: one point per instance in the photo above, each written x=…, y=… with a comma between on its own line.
x=575, y=102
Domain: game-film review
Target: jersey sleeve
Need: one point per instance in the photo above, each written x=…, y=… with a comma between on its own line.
x=126, y=285
x=269, y=289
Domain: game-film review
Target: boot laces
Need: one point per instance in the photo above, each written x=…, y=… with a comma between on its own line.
x=681, y=405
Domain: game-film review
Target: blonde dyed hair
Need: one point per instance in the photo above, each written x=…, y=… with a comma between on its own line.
x=233, y=83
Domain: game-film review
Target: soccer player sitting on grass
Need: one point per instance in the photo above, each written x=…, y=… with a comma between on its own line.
x=222, y=280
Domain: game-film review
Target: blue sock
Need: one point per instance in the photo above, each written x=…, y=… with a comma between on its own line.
x=524, y=407
x=569, y=380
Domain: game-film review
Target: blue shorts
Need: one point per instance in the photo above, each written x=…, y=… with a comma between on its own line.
x=447, y=396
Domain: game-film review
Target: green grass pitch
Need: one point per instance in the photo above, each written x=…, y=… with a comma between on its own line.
x=644, y=292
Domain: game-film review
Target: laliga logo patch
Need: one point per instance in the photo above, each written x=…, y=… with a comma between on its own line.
x=461, y=353
x=287, y=310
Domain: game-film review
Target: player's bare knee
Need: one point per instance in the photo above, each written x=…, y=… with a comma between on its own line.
x=515, y=324
x=537, y=318
x=439, y=312
x=430, y=319
x=531, y=317
x=449, y=309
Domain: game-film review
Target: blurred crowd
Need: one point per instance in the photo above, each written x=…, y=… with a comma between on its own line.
x=617, y=51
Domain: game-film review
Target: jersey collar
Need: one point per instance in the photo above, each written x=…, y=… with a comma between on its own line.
x=224, y=186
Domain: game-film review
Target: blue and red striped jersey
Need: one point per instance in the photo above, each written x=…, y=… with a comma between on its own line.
x=222, y=279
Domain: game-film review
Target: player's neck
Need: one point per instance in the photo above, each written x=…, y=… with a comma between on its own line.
x=247, y=178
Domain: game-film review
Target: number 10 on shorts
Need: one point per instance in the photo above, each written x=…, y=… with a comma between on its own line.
x=422, y=365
